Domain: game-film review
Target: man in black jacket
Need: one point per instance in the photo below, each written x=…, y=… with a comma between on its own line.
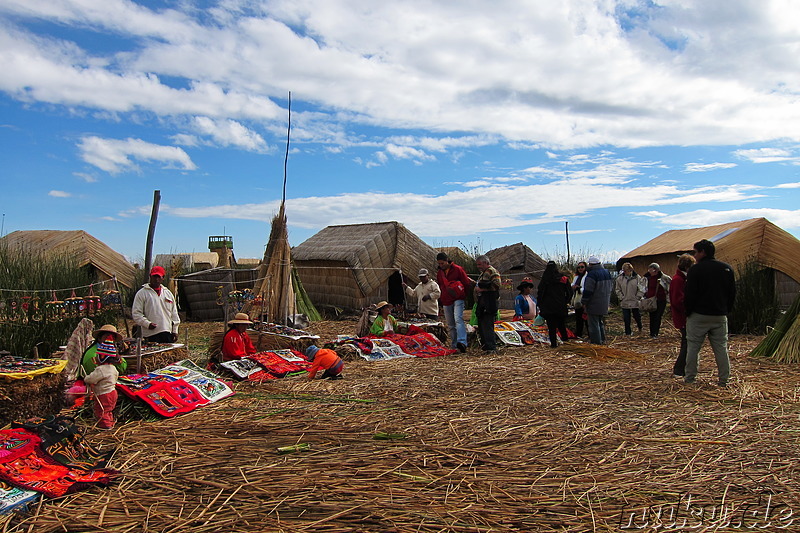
x=710, y=291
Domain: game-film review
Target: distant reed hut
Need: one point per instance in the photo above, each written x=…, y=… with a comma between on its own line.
x=352, y=266
x=101, y=262
x=515, y=262
x=203, y=295
x=737, y=243
x=461, y=258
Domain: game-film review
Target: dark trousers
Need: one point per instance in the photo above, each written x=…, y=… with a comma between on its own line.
x=680, y=363
x=626, y=318
x=556, y=323
x=163, y=337
x=579, y=322
x=487, y=312
x=655, y=317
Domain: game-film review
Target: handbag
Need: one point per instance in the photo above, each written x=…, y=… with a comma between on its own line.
x=576, y=300
x=539, y=321
x=648, y=305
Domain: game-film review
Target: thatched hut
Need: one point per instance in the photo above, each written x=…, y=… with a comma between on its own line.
x=737, y=243
x=355, y=265
x=98, y=258
x=515, y=262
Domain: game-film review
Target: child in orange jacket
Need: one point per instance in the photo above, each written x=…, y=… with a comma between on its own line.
x=324, y=359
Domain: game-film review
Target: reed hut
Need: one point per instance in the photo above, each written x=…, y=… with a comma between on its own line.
x=737, y=243
x=355, y=265
x=515, y=262
x=204, y=295
x=101, y=262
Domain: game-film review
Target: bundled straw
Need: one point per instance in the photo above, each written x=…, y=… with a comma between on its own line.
x=769, y=345
x=788, y=351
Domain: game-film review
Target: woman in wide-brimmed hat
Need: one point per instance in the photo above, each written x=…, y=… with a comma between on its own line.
x=236, y=343
x=104, y=349
x=525, y=303
x=384, y=322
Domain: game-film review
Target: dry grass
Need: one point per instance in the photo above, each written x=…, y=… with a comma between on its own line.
x=531, y=439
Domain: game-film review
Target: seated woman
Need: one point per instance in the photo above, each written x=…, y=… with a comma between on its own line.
x=236, y=343
x=105, y=340
x=384, y=322
x=525, y=304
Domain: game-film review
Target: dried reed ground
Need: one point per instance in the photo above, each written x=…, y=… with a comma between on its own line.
x=526, y=440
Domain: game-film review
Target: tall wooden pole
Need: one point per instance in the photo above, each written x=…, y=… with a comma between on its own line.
x=151, y=232
x=566, y=232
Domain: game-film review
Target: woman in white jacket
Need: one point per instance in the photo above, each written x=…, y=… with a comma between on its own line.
x=629, y=292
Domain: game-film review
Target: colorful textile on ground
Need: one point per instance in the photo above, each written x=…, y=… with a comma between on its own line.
x=286, y=331
x=15, y=499
x=419, y=343
x=25, y=465
x=17, y=368
x=165, y=394
x=241, y=368
x=276, y=363
x=207, y=383
x=62, y=440
x=383, y=350
x=523, y=332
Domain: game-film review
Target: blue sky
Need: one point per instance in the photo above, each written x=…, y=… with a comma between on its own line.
x=471, y=123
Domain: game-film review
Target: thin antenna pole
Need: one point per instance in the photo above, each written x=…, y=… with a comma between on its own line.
x=286, y=157
x=566, y=232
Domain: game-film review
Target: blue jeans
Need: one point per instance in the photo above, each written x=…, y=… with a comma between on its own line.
x=597, y=328
x=454, y=314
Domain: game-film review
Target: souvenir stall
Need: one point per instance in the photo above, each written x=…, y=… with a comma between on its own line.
x=267, y=336
x=30, y=388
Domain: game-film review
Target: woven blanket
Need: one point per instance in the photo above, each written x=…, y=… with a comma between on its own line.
x=62, y=439
x=15, y=499
x=275, y=362
x=165, y=394
x=417, y=343
x=18, y=368
x=523, y=332
x=208, y=384
x=25, y=465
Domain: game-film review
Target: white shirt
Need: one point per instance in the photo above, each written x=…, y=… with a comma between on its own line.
x=150, y=307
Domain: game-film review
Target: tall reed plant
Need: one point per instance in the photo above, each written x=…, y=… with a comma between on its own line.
x=756, y=306
x=25, y=276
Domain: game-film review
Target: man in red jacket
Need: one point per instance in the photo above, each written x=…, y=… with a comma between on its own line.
x=454, y=283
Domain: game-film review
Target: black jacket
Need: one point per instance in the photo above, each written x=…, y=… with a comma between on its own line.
x=553, y=295
x=710, y=288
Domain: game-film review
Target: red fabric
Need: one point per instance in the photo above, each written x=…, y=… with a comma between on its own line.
x=166, y=396
x=419, y=343
x=449, y=284
x=27, y=466
x=323, y=360
x=654, y=288
x=276, y=365
x=676, y=296
x=104, y=409
x=236, y=345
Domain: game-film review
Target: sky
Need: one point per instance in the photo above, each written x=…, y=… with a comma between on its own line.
x=475, y=124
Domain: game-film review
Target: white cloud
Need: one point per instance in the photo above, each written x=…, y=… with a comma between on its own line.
x=795, y=185
x=230, y=133
x=648, y=214
x=766, y=155
x=677, y=74
x=785, y=218
x=59, y=194
x=706, y=167
x=88, y=178
x=114, y=156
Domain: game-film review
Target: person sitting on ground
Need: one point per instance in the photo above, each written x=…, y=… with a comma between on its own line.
x=384, y=322
x=525, y=303
x=105, y=335
x=236, y=343
x=427, y=294
x=328, y=360
x=103, y=378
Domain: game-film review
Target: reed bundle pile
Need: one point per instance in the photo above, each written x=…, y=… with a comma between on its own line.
x=24, y=398
x=526, y=440
x=769, y=345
